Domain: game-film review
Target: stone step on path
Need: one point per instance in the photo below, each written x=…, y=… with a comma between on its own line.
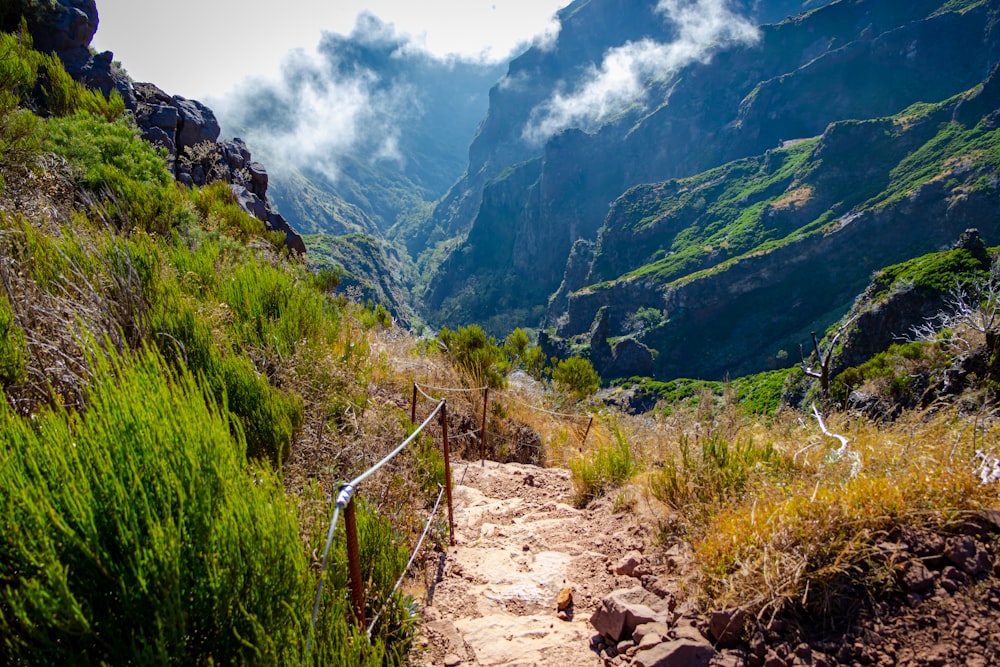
x=520, y=543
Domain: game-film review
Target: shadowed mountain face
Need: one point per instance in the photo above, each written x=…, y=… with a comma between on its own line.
x=784, y=232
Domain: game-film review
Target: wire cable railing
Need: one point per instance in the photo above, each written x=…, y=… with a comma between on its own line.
x=409, y=563
x=345, y=503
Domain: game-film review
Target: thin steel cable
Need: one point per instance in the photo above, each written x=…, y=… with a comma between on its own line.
x=343, y=498
x=454, y=389
x=319, y=586
x=368, y=473
x=409, y=563
x=538, y=409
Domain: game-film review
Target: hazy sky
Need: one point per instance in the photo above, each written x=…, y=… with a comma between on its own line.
x=203, y=48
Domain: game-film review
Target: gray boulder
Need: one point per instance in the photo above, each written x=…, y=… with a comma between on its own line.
x=622, y=611
x=197, y=123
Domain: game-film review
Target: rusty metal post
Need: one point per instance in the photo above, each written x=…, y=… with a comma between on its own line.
x=354, y=563
x=587, y=432
x=447, y=470
x=482, y=433
x=413, y=405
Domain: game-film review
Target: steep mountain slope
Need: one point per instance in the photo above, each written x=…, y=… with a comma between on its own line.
x=790, y=238
x=589, y=30
x=847, y=60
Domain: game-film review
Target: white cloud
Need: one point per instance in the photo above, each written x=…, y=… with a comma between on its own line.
x=620, y=80
x=228, y=41
x=310, y=118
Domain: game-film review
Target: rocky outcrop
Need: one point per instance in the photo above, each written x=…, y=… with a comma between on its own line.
x=627, y=358
x=187, y=129
x=895, y=303
x=63, y=25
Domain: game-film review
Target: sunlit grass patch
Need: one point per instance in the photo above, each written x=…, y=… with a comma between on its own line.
x=812, y=540
x=607, y=466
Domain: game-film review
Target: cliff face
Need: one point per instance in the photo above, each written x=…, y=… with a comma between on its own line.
x=186, y=129
x=914, y=184
x=848, y=60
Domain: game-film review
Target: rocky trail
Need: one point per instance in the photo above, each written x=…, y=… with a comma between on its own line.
x=520, y=544
x=535, y=581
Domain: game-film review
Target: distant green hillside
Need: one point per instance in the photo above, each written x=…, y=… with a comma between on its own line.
x=748, y=258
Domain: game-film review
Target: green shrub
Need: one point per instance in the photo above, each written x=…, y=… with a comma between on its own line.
x=13, y=350
x=429, y=466
x=272, y=310
x=890, y=372
x=269, y=417
x=476, y=354
x=127, y=177
x=217, y=205
x=577, y=376
x=610, y=466
x=134, y=535
x=522, y=354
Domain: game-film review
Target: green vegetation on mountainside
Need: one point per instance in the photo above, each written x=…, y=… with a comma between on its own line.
x=753, y=205
x=161, y=353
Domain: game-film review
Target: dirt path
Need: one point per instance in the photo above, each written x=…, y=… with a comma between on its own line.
x=519, y=544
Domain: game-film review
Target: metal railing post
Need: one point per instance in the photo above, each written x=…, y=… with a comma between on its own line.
x=447, y=470
x=587, y=432
x=482, y=433
x=354, y=563
x=413, y=405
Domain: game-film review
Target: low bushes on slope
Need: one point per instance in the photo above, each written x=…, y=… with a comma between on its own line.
x=161, y=354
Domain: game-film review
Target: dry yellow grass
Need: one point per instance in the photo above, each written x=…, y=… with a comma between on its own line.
x=810, y=536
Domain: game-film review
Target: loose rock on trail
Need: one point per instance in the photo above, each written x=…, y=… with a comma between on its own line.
x=520, y=546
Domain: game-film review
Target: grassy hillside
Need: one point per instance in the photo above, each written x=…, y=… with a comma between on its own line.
x=161, y=355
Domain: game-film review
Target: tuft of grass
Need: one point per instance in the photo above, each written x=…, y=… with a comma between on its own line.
x=13, y=349
x=607, y=467
x=713, y=472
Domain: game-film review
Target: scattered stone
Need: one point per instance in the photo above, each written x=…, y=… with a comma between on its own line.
x=803, y=651
x=730, y=659
x=624, y=645
x=623, y=610
x=565, y=599
x=659, y=629
x=774, y=660
x=562, y=616
x=726, y=627
x=659, y=588
x=677, y=653
x=916, y=578
x=629, y=562
x=452, y=660
x=929, y=546
x=686, y=629
x=968, y=555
